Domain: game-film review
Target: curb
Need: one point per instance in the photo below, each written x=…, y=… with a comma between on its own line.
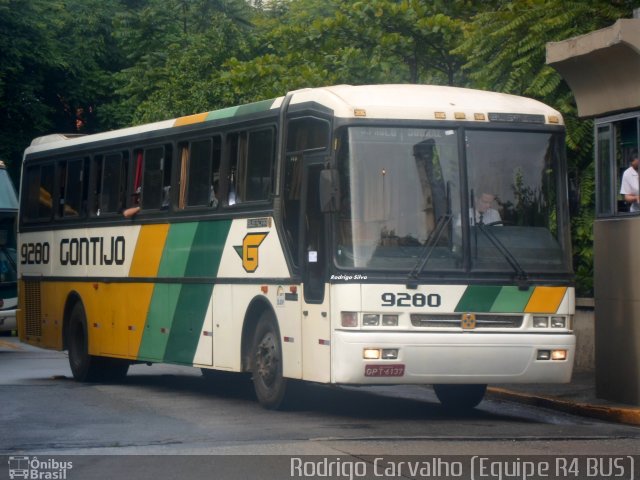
x=12, y=346
x=627, y=416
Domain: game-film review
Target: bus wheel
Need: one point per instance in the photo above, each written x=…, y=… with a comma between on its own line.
x=460, y=397
x=85, y=367
x=266, y=364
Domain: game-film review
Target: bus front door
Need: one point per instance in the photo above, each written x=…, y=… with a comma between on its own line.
x=316, y=321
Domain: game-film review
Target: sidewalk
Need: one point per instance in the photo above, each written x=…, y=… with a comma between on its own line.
x=577, y=397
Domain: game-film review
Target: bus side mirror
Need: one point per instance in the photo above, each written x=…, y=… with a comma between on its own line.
x=329, y=190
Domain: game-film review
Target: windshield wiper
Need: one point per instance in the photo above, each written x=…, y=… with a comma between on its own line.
x=427, y=250
x=521, y=276
x=430, y=242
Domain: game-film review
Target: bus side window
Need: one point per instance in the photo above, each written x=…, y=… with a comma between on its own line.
x=114, y=184
x=237, y=159
x=71, y=188
x=203, y=167
x=259, y=171
x=39, y=198
x=156, y=178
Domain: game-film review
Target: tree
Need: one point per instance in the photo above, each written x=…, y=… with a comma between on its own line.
x=307, y=43
x=53, y=57
x=172, y=49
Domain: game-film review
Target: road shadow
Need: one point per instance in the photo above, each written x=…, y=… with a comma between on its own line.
x=316, y=399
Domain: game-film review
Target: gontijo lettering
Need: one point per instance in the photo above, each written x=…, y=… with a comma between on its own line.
x=92, y=251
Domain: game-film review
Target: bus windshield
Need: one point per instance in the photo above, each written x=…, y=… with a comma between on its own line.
x=403, y=205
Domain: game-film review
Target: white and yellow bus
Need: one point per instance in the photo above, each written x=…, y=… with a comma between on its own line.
x=351, y=235
x=8, y=267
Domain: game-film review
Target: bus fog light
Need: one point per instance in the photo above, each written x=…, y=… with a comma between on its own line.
x=389, y=320
x=370, y=320
x=540, y=322
x=544, y=355
x=371, y=353
x=558, y=355
x=558, y=322
x=349, y=319
x=389, y=353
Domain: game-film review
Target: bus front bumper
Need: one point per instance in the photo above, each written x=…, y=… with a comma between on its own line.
x=451, y=358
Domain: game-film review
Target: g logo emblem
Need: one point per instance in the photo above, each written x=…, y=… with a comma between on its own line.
x=468, y=321
x=249, y=251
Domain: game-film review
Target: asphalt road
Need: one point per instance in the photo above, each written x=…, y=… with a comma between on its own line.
x=168, y=410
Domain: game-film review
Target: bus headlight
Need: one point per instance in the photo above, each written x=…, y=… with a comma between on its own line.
x=558, y=322
x=389, y=320
x=540, y=322
x=370, y=320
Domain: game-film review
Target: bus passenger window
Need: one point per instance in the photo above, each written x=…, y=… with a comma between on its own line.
x=204, y=171
x=259, y=173
x=251, y=160
x=237, y=155
x=156, y=178
x=114, y=175
x=39, y=198
x=72, y=188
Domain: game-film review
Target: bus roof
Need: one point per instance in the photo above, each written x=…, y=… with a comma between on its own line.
x=397, y=102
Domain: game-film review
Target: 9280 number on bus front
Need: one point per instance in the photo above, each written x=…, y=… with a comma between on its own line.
x=404, y=299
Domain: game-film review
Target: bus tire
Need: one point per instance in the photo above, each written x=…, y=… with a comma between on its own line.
x=460, y=397
x=84, y=367
x=266, y=364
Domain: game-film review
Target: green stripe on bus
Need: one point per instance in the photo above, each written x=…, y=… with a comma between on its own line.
x=158, y=326
x=512, y=299
x=250, y=108
x=478, y=298
x=193, y=302
x=177, y=249
x=188, y=319
x=206, y=249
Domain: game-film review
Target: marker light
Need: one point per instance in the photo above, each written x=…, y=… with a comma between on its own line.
x=371, y=353
x=370, y=320
x=349, y=319
x=540, y=322
x=558, y=354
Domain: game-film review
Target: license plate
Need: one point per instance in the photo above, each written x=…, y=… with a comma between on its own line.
x=384, y=370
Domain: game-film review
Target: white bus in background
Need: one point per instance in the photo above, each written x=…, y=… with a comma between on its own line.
x=8, y=269
x=350, y=235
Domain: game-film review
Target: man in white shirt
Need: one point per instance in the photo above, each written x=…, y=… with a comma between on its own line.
x=629, y=186
x=484, y=213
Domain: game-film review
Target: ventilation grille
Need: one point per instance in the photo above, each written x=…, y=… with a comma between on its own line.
x=452, y=321
x=33, y=312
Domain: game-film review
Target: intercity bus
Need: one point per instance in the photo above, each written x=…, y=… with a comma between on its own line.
x=8, y=267
x=333, y=235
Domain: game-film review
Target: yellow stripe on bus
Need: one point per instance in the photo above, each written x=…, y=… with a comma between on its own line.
x=191, y=119
x=146, y=259
x=545, y=300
